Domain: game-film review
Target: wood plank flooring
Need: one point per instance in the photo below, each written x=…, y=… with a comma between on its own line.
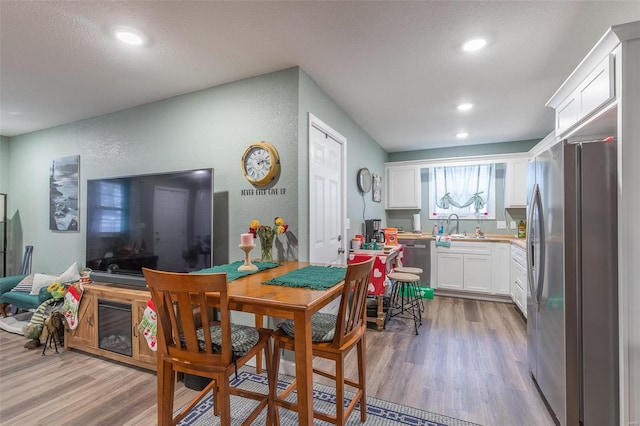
x=469, y=362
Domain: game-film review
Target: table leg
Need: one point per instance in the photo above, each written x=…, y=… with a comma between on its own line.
x=304, y=368
x=259, y=320
x=380, y=318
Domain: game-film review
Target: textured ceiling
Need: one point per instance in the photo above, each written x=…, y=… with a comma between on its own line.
x=396, y=67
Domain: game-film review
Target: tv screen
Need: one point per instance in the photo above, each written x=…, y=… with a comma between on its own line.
x=160, y=221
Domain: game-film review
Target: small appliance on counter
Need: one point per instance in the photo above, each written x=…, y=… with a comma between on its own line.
x=373, y=231
x=415, y=224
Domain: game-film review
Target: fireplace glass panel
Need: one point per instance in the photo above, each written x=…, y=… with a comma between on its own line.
x=114, y=327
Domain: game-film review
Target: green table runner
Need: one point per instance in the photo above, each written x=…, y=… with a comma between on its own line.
x=232, y=269
x=313, y=277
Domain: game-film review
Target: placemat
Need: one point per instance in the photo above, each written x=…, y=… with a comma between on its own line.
x=232, y=269
x=313, y=277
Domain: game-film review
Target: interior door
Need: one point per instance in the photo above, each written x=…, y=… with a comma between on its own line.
x=326, y=194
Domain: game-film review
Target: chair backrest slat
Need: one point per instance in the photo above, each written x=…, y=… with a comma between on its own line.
x=181, y=305
x=353, y=310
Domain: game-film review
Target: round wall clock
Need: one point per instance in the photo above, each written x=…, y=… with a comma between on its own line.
x=260, y=163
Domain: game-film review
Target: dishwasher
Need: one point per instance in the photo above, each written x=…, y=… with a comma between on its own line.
x=417, y=253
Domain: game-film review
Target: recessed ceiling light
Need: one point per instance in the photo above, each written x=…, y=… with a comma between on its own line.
x=462, y=135
x=129, y=36
x=465, y=107
x=475, y=44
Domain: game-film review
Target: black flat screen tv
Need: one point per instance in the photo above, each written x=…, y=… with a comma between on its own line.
x=161, y=221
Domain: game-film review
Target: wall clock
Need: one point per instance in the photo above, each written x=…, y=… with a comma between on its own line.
x=260, y=163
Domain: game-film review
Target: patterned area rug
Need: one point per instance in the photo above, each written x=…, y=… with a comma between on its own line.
x=379, y=412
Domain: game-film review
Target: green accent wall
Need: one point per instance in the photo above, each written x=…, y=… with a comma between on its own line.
x=362, y=151
x=465, y=151
x=4, y=164
x=205, y=129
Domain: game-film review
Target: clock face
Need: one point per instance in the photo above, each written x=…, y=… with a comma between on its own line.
x=260, y=163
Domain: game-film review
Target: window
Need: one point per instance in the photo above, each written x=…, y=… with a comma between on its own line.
x=110, y=212
x=467, y=191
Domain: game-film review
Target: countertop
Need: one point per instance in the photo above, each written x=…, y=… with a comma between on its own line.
x=499, y=238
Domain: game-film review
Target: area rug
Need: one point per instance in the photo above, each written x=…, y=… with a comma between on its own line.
x=15, y=323
x=379, y=412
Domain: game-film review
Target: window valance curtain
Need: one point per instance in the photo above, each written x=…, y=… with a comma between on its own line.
x=462, y=188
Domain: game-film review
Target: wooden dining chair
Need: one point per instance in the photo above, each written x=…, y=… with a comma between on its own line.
x=183, y=345
x=333, y=337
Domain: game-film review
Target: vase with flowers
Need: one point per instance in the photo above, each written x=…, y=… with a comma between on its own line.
x=267, y=234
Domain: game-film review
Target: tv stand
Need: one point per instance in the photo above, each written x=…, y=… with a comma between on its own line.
x=124, y=279
x=86, y=337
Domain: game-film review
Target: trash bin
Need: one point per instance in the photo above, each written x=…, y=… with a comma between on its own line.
x=194, y=382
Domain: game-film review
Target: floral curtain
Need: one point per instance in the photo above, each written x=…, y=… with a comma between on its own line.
x=462, y=189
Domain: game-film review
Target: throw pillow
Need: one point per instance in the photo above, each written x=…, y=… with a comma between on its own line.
x=24, y=285
x=42, y=280
x=71, y=275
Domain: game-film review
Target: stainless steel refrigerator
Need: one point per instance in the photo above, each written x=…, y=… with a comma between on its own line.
x=572, y=325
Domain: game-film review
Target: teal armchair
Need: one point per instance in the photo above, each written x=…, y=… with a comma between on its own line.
x=20, y=299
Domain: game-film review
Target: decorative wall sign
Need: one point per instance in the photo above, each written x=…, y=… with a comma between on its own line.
x=377, y=188
x=63, y=194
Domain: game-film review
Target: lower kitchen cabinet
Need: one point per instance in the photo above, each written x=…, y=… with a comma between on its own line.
x=450, y=271
x=519, y=288
x=477, y=273
x=478, y=267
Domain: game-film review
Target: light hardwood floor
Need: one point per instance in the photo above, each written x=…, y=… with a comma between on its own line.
x=469, y=362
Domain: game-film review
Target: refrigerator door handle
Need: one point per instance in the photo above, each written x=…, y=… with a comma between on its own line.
x=535, y=290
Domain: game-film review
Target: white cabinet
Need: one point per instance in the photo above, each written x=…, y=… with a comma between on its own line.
x=477, y=273
x=450, y=271
x=515, y=183
x=478, y=267
x=501, y=269
x=594, y=91
x=403, y=187
x=519, y=289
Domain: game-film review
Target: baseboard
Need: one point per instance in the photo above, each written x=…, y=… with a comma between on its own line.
x=470, y=295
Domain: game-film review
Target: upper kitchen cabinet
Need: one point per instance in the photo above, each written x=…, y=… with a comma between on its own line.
x=403, y=187
x=596, y=90
x=515, y=183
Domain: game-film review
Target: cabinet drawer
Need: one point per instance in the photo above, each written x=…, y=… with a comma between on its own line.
x=521, y=301
x=519, y=255
x=520, y=277
x=470, y=248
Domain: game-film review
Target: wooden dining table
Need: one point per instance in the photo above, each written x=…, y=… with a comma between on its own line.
x=248, y=294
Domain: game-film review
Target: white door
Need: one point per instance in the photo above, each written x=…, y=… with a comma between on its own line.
x=327, y=198
x=169, y=227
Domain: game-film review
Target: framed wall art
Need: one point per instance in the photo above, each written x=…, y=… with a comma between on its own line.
x=377, y=188
x=63, y=194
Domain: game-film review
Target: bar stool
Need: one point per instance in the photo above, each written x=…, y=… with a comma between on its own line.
x=406, y=285
x=415, y=271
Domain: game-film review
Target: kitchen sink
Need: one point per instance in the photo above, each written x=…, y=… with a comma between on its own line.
x=463, y=237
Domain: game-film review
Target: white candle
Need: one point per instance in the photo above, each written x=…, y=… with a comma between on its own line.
x=246, y=239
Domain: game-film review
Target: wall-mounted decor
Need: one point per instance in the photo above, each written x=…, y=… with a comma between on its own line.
x=63, y=193
x=377, y=188
x=260, y=163
x=364, y=180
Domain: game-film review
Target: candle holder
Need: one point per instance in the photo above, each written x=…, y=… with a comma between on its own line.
x=248, y=266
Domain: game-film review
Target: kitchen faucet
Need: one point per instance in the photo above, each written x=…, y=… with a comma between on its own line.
x=457, y=222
